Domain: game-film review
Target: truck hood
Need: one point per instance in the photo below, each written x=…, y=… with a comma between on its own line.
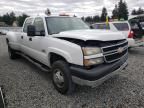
x=101, y=35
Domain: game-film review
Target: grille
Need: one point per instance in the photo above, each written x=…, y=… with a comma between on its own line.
x=111, y=52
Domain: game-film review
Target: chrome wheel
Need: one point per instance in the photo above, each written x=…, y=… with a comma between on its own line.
x=58, y=78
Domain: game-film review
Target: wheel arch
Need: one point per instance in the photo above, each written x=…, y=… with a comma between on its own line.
x=55, y=55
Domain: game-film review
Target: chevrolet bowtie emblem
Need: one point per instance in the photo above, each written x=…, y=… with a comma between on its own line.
x=120, y=50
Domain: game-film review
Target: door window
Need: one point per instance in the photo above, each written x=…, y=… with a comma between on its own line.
x=39, y=27
x=121, y=26
x=28, y=22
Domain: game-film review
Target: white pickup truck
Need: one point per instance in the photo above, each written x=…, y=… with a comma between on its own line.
x=73, y=52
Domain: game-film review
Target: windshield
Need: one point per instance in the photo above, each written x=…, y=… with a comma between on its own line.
x=60, y=24
x=121, y=26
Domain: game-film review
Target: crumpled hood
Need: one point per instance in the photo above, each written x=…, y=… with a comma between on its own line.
x=101, y=35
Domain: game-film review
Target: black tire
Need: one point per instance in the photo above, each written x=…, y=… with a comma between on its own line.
x=67, y=86
x=12, y=53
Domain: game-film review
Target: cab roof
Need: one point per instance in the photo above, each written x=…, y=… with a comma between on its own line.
x=45, y=16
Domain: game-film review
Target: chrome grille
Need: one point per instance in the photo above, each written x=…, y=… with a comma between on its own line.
x=111, y=52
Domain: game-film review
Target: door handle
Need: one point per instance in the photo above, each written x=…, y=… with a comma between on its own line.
x=21, y=37
x=30, y=39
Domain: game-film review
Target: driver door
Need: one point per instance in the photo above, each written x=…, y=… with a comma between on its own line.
x=24, y=39
x=35, y=43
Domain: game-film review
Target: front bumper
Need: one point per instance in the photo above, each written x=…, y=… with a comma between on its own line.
x=99, y=74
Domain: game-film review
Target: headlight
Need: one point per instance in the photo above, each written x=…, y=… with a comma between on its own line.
x=91, y=50
x=95, y=61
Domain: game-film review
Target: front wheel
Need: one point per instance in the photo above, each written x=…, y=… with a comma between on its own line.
x=61, y=77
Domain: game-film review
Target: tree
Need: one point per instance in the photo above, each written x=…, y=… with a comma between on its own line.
x=104, y=14
x=89, y=19
x=137, y=12
x=48, y=12
x=134, y=12
x=140, y=11
x=6, y=18
x=122, y=10
x=115, y=12
x=126, y=13
x=12, y=18
x=1, y=18
x=96, y=18
x=21, y=19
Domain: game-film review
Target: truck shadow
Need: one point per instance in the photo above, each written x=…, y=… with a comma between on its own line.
x=44, y=74
x=137, y=51
x=115, y=82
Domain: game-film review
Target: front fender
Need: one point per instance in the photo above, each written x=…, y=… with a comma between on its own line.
x=60, y=52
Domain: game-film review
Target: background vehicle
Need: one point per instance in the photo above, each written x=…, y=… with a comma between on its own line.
x=142, y=25
x=122, y=26
x=73, y=52
x=3, y=32
x=137, y=26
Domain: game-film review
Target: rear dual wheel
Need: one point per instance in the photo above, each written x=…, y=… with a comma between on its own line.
x=12, y=53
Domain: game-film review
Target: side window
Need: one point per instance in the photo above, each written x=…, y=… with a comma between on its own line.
x=28, y=22
x=121, y=26
x=39, y=26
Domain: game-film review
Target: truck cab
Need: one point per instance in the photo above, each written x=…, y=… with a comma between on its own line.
x=72, y=52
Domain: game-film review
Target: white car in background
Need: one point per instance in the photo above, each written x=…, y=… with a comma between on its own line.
x=3, y=32
x=122, y=26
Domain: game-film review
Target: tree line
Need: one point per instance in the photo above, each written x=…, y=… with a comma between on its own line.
x=10, y=18
x=119, y=12
x=137, y=12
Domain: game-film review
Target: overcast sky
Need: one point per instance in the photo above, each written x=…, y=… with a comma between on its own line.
x=77, y=7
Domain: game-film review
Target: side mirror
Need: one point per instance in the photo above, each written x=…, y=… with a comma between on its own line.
x=31, y=30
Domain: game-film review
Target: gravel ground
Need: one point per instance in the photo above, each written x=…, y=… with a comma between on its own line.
x=26, y=86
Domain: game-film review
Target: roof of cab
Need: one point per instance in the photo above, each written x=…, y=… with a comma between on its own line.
x=44, y=16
